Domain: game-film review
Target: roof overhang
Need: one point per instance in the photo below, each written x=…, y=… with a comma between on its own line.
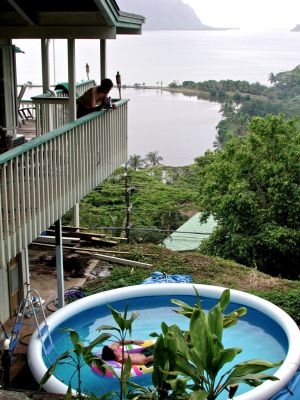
x=64, y=19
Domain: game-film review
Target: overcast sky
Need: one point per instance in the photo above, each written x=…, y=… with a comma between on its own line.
x=269, y=14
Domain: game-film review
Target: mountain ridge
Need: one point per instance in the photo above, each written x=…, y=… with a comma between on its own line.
x=166, y=15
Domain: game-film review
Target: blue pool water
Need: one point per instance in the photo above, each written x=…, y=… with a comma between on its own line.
x=258, y=336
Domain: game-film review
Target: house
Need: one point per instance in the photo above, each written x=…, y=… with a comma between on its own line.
x=190, y=235
x=44, y=178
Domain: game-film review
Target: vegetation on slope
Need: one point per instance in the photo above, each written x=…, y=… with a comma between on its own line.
x=242, y=100
x=203, y=269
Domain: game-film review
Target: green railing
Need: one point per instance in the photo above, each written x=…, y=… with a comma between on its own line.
x=44, y=178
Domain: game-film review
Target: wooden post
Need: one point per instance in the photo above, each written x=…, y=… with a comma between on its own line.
x=59, y=263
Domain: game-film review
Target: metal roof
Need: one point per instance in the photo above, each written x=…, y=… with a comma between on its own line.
x=65, y=19
x=189, y=235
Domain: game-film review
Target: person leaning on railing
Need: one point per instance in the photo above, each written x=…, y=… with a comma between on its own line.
x=95, y=99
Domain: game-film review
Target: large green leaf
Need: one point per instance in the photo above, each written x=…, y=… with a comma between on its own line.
x=185, y=368
x=100, y=339
x=224, y=299
x=232, y=318
x=252, y=379
x=52, y=367
x=128, y=323
x=201, y=338
x=251, y=367
x=74, y=339
x=197, y=359
x=182, y=347
x=164, y=328
x=158, y=361
x=117, y=317
x=172, y=353
x=181, y=304
x=215, y=321
x=107, y=328
x=224, y=356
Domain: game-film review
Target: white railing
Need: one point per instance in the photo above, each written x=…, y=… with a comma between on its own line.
x=44, y=178
x=51, y=111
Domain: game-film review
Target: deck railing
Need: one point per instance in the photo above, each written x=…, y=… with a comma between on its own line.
x=52, y=109
x=44, y=178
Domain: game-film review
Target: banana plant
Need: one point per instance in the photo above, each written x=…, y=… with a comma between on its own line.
x=188, y=364
x=77, y=357
x=123, y=329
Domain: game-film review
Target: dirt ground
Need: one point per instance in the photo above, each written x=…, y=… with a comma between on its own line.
x=43, y=279
x=43, y=270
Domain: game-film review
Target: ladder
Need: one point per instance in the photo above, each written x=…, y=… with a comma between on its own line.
x=31, y=306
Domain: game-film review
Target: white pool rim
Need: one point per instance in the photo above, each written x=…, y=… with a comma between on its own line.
x=262, y=392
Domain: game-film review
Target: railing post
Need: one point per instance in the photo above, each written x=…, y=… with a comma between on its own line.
x=59, y=263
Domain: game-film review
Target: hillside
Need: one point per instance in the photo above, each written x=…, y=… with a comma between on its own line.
x=165, y=15
x=203, y=269
x=296, y=28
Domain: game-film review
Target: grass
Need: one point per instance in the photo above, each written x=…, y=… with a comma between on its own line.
x=203, y=269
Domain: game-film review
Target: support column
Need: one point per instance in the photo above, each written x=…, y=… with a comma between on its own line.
x=25, y=271
x=8, y=89
x=45, y=64
x=72, y=79
x=72, y=105
x=103, y=69
x=59, y=263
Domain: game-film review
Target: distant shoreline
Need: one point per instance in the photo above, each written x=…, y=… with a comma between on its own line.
x=186, y=91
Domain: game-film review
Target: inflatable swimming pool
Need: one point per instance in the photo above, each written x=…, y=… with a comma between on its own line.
x=264, y=328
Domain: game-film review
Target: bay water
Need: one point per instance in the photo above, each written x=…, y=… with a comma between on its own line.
x=177, y=126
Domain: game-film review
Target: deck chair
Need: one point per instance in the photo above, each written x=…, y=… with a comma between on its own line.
x=24, y=113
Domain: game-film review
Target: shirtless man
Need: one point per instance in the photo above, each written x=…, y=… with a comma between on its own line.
x=114, y=352
x=94, y=99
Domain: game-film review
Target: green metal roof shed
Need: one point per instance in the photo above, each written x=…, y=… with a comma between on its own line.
x=189, y=235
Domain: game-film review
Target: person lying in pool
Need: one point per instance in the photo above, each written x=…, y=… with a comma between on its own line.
x=113, y=352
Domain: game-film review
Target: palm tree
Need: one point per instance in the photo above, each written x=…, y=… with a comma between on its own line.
x=272, y=78
x=136, y=162
x=153, y=159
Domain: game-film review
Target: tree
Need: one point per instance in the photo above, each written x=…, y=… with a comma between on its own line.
x=153, y=158
x=252, y=188
x=136, y=162
x=272, y=78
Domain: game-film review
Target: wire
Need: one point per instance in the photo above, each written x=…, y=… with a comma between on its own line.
x=114, y=228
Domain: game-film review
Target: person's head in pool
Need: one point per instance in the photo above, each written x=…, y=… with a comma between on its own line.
x=108, y=354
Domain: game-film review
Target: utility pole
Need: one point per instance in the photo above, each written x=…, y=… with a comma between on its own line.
x=127, y=204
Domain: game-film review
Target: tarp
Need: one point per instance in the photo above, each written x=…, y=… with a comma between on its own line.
x=162, y=277
x=291, y=391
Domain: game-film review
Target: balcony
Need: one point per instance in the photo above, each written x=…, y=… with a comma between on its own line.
x=45, y=177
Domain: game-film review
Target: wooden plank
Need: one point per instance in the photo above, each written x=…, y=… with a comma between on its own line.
x=81, y=235
x=122, y=261
x=51, y=239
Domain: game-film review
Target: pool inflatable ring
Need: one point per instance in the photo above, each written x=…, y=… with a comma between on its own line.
x=136, y=370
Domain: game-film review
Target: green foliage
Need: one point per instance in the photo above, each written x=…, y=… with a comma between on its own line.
x=288, y=300
x=159, y=196
x=76, y=358
x=253, y=100
x=252, y=189
x=187, y=364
